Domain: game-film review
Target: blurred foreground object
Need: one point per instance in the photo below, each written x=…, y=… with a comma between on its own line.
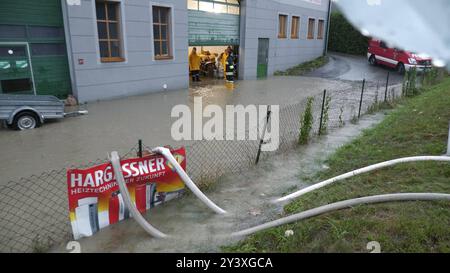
x=415, y=25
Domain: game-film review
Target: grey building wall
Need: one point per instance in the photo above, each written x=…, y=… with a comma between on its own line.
x=140, y=72
x=260, y=20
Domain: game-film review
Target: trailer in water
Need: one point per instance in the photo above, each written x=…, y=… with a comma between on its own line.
x=23, y=112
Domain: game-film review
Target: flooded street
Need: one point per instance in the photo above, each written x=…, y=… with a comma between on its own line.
x=246, y=197
x=118, y=124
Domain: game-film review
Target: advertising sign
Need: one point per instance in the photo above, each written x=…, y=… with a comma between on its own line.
x=95, y=200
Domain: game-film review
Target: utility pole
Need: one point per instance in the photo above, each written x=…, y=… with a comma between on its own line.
x=328, y=28
x=448, y=141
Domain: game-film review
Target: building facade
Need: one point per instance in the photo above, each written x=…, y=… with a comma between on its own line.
x=101, y=49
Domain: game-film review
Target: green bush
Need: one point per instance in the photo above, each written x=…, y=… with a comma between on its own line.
x=345, y=38
x=306, y=122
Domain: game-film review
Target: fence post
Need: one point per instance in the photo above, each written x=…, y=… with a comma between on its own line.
x=261, y=141
x=321, y=112
x=387, y=85
x=362, y=94
x=448, y=141
x=140, y=147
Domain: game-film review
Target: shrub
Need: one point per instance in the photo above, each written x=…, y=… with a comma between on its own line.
x=343, y=37
x=307, y=122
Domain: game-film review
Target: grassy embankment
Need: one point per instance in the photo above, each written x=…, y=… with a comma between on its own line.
x=303, y=68
x=419, y=126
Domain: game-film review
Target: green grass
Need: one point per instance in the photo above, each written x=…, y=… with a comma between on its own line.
x=303, y=68
x=418, y=126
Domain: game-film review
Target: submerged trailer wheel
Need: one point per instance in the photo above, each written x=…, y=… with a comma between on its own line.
x=25, y=121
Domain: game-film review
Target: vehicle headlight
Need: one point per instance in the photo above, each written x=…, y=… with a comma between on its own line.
x=412, y=61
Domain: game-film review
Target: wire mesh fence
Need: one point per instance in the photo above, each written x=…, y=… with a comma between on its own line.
x=34, y=211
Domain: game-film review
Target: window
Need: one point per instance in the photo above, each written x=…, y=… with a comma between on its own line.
x=216, y=6
x=193, y=4
x=161, y=33
x=383, y=45
x=295, y=27
x=206, y=6
x=233, y=10
x=282, y=25
x=311, y=28
x=109, y=31
x=12, y=51
x=320, y=30
x=16, y=85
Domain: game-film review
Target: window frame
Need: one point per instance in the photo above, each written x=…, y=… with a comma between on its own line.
x=169, y=38
x=107, y=21
x=285, y=29
x=320, y=30
x=310, y=34
x=295, y=35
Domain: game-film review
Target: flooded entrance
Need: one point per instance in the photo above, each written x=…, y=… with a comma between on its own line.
x=210, y=61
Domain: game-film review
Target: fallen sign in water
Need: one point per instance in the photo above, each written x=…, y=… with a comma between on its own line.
x=95, y=200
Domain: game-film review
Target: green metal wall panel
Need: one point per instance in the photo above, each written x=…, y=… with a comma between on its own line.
x=50, y=74
x=29, y=21
x=208, y=28
x=31, y=12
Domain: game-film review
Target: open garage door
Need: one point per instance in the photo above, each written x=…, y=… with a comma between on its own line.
x=213, y=22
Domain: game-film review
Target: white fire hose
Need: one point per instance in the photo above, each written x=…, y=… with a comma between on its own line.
x=361, y=171
x=346, y=204
x=187, y=180
x=115, y=161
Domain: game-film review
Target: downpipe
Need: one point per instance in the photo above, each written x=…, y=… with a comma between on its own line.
x=398, y=197
x=115, y=161
x=187, y=180
x=361, y=171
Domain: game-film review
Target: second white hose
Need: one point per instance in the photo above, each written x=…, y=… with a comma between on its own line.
x=361, y=171
x=345, y=204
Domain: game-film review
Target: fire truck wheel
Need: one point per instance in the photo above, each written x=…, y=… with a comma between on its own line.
x=373, y=60
x=401, y=68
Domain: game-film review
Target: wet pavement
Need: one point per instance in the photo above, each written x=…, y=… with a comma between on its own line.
x=355, y=68
x=118, y=124
x=246, y=197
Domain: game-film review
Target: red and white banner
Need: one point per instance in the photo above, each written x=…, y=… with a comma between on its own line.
x=95, y=200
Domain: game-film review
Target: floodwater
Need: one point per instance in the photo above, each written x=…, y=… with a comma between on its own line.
x=116, y=125
x=247, y=198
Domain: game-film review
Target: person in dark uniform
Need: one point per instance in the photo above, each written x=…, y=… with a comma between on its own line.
x=229, y=66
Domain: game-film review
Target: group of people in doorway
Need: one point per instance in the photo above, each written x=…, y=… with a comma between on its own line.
x=225, y=62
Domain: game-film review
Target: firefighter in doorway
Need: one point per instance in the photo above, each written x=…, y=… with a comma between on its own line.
x=229, y=66
x=194, y=65
x=224, y=58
